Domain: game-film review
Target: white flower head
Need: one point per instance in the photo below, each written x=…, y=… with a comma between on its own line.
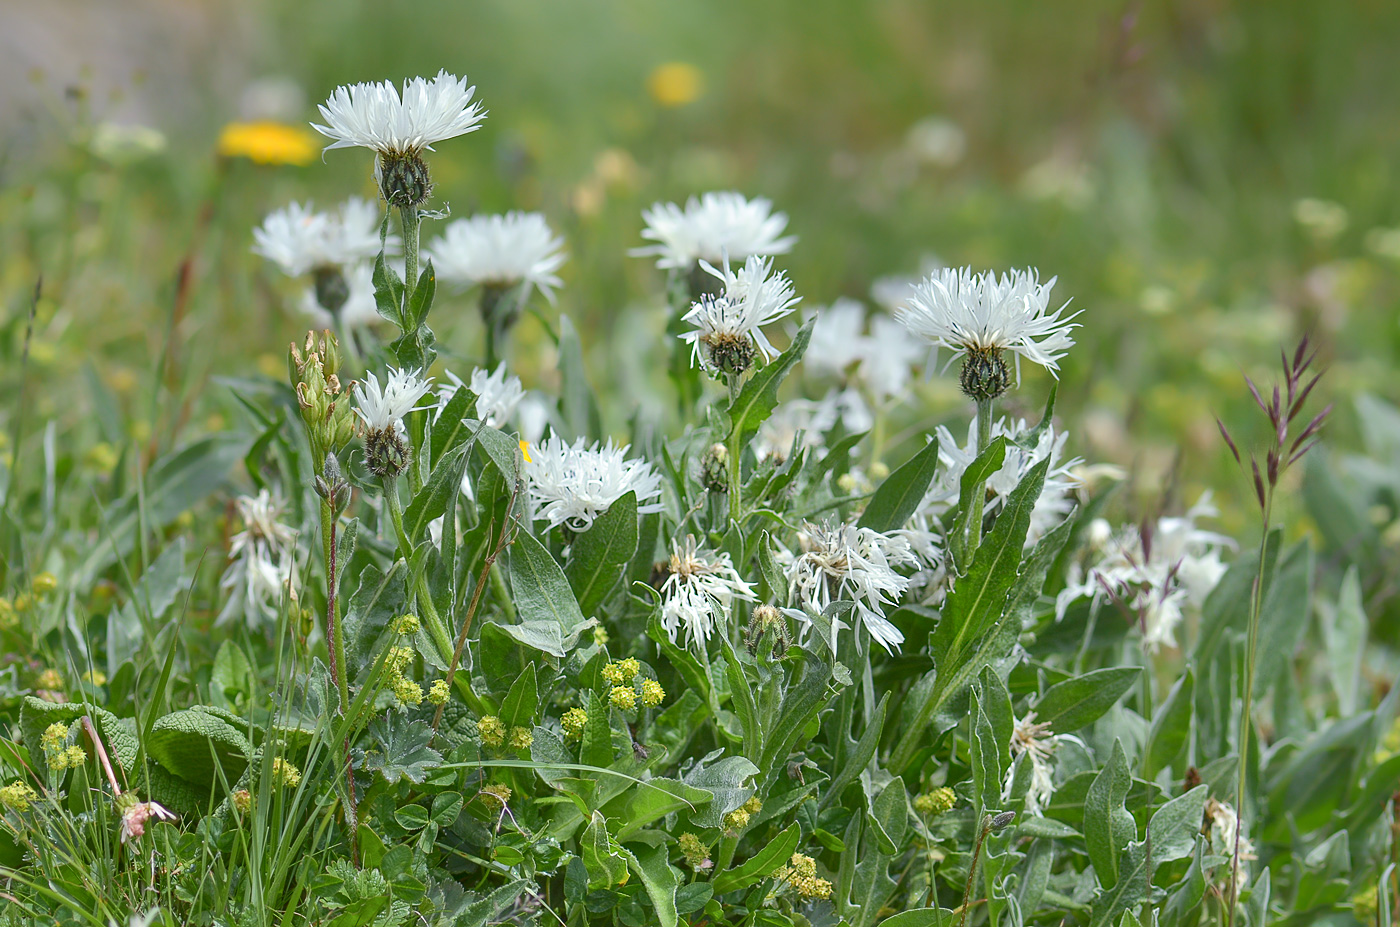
x=837, y=339
x=574, y=484
x=501, y=251
x=1037, y=743
x=699, y=589
x=715, y=227
x=498, y=393
x=299, y=240
x=847, y=562
x=1223, y=837
x=730, y=326
x=360, y=309
x=381, y=412
x=979, y=316
x=260, y=561
x=887, y=358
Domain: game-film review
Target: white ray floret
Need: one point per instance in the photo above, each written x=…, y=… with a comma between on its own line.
x=379, y=117
x=714, y=227
x=498, y=393
x=383, y=409
x=298, y=239
x=700, y=588
x=496, y=250
x=954, y=308
x=572, y=484
x=752, y=298
x=851, y=563
x=260, y=561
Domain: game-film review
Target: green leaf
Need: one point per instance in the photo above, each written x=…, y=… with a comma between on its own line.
x=453, y=424
x=1107, y=824
x=422, y=299
x=656, y=799
x=540, y=590
x=659, y=880
x=899, y=495
x=1175, y=825
x=199, y=746
x=232, y=674
x=758, y=397
x=597, y=746
x=1284, y=616
x=859, y=758
x=806, y=694
x=379, y=599
x=388, y=285
x=682, y=661
x=976, y=475
x=518, y=709
x=403, y=751
x=1081, y=700
x=922, y=917
x=984, y=757
x=432, y=500
x=598, y=556
x=725, y=780
x=1171, y=727
x=601, y=854
x=577, y=405
x=741, y=694
x=1128, y=891
x=1344, y=631
x=762, y=864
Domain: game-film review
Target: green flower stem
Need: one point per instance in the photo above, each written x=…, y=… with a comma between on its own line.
x=735, y=454
x=409, y=221
x=979, y=492
x=431, y=619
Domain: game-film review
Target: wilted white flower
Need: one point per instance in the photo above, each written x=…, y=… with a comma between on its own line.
x=845, y=562
x=260, y=561
x=1153, y=571
x=574, y=484
x=979, y=316
x=1222, y=838
x=377, y=117
x=730, y=326
x=500, y=251
x=714, y=228
x=699, y=588
x=136, y=815
x=1036, y=742
x=360, y=309
x=299, y=240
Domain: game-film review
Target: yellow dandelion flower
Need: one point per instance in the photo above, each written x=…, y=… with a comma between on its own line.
x=267, y=143
x=675, y=83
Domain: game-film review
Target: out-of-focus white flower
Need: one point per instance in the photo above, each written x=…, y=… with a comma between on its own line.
x=260, y=561
x=1059, y=179
x=982, y=315
x=126, y=144
x=1036, y=742
x=847, y=562
x=498, y=393
x=298, y=239
x=888, y=357
x=1222, y=838
x=360, y=310
x=533, y=413
x=885, y=357
x=136, y=815
x=714, y=228
x=699, y=589
x=501, y=251
x=730, y=326
x=800, y=420
x=837, y=338
x=377, y=117
x=573, y=484
x=936, y=140
x=1153, y=571
x=1322, y=219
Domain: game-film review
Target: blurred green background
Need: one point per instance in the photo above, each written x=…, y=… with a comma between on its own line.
x=1209, y=180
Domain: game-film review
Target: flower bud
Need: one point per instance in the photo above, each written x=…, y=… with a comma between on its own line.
x=714, y=469
x=404, y=180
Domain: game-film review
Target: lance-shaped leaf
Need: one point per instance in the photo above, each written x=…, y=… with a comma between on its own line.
x=598, y=555
x=898, y=497
x=759, y=395
x=1081, y=700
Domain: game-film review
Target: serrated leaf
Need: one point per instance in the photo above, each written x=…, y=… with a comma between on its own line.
x=403, y=751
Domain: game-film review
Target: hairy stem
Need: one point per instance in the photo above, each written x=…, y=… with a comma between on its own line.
x=735, y=453
x=979, y=492
x=409, y=221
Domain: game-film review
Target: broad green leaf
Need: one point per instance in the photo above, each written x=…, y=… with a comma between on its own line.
x=1081, y=700
x=922, y=917
x=1107, y=824
x=518, y=709
x=657, y=799
x=422, y=299
x=601, y=854
x=1130, y=890
x=1284, y=616
x=859, y=758
x=726, y=779
x=540, y=590
x=598, y=556
x=984, y=757
x=898, y=497
x=1344, y=630
x=682, y=661
x=401, y=750
x=437, y=493
x=742, y=697
x=762, y=864
x=758, y=397
x=232, y=674
x=659, y=880
x=976, y=475
x=805, y=696
x=195, y=744
x=453, y=424
x=1175, y=826
x=380, y=598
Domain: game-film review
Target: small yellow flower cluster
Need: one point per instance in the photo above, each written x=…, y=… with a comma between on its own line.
x=96, y=677
x=622, y=671
x=492, y=731
x=573, y=721
x=406, y=624
x=600, y=635
x=521, y=738
x=396, y=661
x=801, y=874
x=242, y=801
x=18, y=796
x=1365, y=905
x=623, y=698
x=938, y=802
x=9, y=618
x=652, y=693
x=58, y=756
x=50, y=679
x=43, y=583
x=437, y=693
x=407, y=691
x=496, y=795
x=285, y=774
x=738, y=819
x=697, y=855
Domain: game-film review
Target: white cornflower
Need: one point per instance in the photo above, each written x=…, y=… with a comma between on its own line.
x=377, y=117
x=497, y=393
x=979, y=316
x=136, y=815
x=887, y=358
x=730, y=326
x=381, y=412
x=574, y=484
x=883, y=360
x=845, y=562
x=260, y=561
x=1036, y=742
x=698, y=591
x=360, y=309
x=500, y=251
x=714, y=228
x=299, y=240
x=837, y=339
x=797, y=420
x=1152, y=570
x=1056, y=498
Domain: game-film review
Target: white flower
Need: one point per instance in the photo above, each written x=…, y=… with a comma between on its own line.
x=383, y=410
x=260, y=561
x=885, y=357
x=698, y=592
x=837, y=339
x=1036, y=743
x=1056, y=498
x=500, y=251
x=1153, y=571
x=299, y=240
x=360, y=309
x=716, y=227
x=497, y=393
x=134, y=818
x=845, y=562
x=888, y=357
x=1222, y=838
x=574, y=484
x=730, y=326
x=985, y=314
x=800, y=420
x=377, y=117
